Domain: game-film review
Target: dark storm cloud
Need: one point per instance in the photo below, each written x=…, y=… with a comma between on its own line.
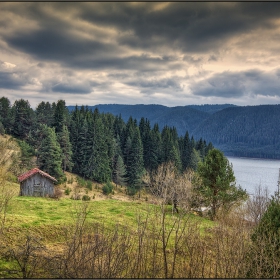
x=185, y=26
x=238, y=84
x=53, y=45
x=10, y=81
x=66, y=88
x=155, y=84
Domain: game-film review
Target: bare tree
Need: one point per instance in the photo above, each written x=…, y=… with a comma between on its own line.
x=257, y=204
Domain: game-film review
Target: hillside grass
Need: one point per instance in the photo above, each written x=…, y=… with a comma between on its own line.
x=30, y=212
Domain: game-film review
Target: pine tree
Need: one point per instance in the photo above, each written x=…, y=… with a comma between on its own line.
x=49, y=154
x=171, y=147
x=217, y=187
x=66, y=148
x=5, y=113
x=119, y=174
x=60, y=116
x=95, y=162
x=44, y=113
x=23, y=119
x=135, y=162
x=265, y=250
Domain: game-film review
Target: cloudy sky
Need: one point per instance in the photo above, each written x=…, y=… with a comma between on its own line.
x=140, y=53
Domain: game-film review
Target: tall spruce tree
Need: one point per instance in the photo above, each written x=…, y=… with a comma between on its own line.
x=66, y=148
x=60, y=116
x=119, y=173
x=5, y=113
x=49, y=154
x=135, y=162
x=23, y=119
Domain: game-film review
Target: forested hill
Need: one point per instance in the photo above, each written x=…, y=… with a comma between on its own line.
x=184, y=118
x=249, y=131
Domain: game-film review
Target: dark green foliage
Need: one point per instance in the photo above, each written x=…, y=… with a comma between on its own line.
x=5, y=113
x=86, y=197
x=49, y=154
x=265, y=254
x=170, y=147
x=27, y=152
x=44, y=113
x=135, y=162
x=119, y=175
x=2, y=129
x=66, y=148
x=217, y=187
x=67, y=191
x=60, y=116
x=107, y=188
x=22, y=120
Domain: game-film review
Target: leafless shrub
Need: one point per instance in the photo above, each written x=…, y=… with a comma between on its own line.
x=28, y=257
x=257, y=204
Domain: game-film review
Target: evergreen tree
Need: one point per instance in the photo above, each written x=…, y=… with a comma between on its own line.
x=5, y=113
x=23, y=119
x=170, y=146
x=217, y=187
x=44, y=113
x=265, y=251
x=135, y=162
x=119, y=174
x=195, y=159
x=49, y=154
x=96, y=163
x=186, y=152
x=61, y=117
x=78, y=130
x=66, y=148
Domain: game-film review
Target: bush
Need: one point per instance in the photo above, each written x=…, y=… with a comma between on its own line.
x=85, y=198
x=81, y=182
x=67, y=191
x=107, y=188
x=89, y=185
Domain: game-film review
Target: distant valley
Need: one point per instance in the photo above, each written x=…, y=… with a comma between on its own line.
x=246, y=131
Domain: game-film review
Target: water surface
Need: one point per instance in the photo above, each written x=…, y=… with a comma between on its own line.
x=250, y=172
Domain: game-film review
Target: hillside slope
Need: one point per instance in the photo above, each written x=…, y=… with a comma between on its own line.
x=251, y=131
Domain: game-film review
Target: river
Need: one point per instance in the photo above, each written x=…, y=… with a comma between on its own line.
x=250, y=172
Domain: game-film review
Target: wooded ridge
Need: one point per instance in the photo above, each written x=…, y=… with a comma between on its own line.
x=247, y=131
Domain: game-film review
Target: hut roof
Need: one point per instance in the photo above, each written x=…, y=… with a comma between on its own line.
x=32, y=172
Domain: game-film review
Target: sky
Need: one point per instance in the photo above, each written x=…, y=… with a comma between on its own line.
x=173, y=54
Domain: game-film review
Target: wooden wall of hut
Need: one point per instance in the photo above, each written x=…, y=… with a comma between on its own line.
x=37, y=185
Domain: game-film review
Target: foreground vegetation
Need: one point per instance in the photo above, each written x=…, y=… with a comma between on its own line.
x=66, y=238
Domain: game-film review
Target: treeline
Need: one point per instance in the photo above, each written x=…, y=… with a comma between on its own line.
x=97, y=146
x=248, y=131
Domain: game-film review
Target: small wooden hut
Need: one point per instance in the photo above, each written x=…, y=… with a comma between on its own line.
x=36, y=182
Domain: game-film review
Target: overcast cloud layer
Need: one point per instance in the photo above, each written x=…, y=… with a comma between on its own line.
x=141, y=53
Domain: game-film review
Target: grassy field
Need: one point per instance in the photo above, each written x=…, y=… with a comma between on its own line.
x=29, y=212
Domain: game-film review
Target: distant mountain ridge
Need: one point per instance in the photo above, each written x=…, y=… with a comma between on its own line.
x=249, y=131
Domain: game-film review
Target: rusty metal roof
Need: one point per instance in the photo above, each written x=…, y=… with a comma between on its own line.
x=32, y=172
